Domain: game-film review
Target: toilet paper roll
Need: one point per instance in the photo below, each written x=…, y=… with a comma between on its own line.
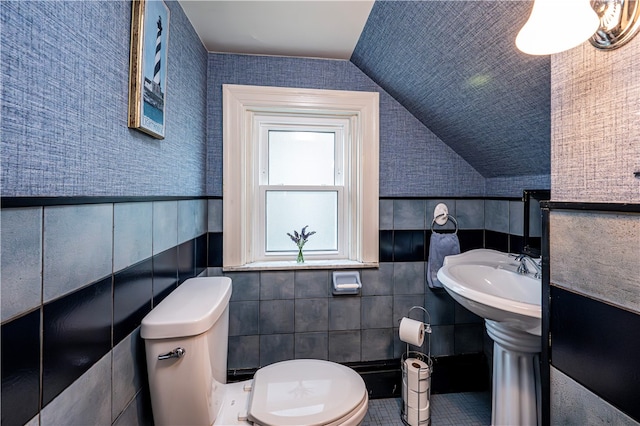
x=413, y=399
x=411, y=331
x=417, y=375
x=415, y=416
x=347, y=286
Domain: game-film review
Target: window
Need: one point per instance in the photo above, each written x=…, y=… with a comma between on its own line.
x=297, y=157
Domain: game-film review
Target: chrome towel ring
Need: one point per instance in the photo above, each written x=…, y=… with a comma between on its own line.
x=441, y=215
x=445, y=217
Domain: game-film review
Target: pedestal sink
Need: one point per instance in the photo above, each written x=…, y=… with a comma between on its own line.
x=487, y=282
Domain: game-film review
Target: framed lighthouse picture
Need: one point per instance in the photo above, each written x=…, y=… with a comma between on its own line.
x=148, y=67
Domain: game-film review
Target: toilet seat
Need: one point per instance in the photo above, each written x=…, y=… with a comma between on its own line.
x=307, y=392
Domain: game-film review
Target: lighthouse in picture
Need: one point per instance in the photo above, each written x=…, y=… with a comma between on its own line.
x=152, y=90
x=156, y=67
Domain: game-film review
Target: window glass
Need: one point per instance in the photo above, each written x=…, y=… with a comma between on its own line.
x=301, y=158
x=287, y=211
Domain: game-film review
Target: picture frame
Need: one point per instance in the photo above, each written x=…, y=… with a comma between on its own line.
x=148, y=66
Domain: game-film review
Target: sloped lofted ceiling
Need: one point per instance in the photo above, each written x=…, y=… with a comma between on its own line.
x=453, y=64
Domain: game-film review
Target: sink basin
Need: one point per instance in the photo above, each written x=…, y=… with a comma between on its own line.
x=487, y=283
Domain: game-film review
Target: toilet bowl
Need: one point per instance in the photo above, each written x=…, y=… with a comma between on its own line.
x=186, y=342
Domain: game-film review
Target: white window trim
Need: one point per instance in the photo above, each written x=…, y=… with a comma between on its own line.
x=240, y=104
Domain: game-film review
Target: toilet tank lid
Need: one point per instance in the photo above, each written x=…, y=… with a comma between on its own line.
x=189, y=310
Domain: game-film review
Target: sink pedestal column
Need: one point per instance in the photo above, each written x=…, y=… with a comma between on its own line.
x=516, y=376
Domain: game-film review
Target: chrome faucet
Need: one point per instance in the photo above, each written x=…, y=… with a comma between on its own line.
x=524, y=269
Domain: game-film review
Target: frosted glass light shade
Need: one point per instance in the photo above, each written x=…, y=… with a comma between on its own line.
x=557, y=25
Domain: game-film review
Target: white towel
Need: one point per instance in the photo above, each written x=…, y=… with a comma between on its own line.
x=441, y=245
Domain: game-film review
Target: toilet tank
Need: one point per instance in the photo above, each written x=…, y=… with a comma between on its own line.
x=193, y=319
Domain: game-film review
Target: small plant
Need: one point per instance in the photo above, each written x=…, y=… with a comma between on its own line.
x=300, y=239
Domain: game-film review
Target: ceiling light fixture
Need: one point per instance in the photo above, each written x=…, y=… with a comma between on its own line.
x=558, y=25
x=619, y=22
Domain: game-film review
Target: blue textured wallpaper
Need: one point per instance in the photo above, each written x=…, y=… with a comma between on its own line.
x=454, y=65
x=65, y=73
x=512, y=186
x=413, y=161
x=65, y=68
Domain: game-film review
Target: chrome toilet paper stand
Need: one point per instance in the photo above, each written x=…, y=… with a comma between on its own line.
x=423, y=417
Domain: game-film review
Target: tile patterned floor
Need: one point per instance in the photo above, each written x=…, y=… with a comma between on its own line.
x=451, y=409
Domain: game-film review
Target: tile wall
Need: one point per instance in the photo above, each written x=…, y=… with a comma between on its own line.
x=595, y=306
x=76, y=282
x=279, y=315
x=78, y=279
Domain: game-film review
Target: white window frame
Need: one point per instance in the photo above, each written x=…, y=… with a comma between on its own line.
x=244, y=108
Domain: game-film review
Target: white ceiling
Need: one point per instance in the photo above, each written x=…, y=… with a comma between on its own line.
x=301, y=28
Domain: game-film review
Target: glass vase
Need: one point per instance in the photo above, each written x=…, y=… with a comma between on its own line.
x=300, y=258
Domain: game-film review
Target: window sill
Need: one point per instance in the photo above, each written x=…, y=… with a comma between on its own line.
x=307, y=265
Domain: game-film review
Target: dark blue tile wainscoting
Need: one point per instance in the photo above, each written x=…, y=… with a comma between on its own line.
x=51, y=349
x=590, y=371
x=214, y=254
x=274, y=315
x=132, y=298
x=76, y=333
x=165, y=278
x=21, y=369
x=413, y=246
x=601, y=357
x=277, y=315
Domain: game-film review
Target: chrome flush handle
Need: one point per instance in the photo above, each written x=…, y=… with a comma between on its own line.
x=176, y=353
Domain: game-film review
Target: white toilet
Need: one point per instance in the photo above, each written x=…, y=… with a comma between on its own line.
x=186, y=338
